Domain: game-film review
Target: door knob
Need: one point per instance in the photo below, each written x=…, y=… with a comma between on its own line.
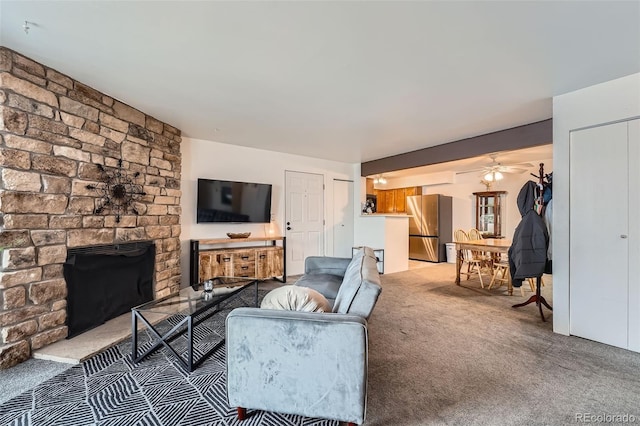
x=288, y=223
x=288, y=228
x=623, y=236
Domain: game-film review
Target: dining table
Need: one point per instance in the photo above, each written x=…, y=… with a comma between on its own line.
x=495, y=246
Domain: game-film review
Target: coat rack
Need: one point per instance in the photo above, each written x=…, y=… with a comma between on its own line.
x=538, y=298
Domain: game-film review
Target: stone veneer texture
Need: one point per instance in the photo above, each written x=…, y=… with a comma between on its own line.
x=53, y=133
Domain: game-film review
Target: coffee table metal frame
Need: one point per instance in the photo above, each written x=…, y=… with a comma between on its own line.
x=188, y=295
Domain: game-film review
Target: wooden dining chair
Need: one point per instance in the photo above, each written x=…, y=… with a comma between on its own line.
x=486, y=259
x=460, y=235
x=473, y=265
x=500, y=274
x=532, y=284
x=474, y=234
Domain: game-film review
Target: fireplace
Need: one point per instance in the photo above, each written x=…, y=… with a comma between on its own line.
x=65, y=147
x=104, y=282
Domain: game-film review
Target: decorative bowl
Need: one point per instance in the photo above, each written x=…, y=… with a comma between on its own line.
x=238, y=234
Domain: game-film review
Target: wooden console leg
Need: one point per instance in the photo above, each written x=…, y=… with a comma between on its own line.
x=242, y=413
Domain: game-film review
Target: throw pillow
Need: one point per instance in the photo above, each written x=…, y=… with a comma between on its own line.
x=295, y=298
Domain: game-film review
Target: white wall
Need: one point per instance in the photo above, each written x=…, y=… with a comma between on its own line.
x=213, y=160
x=604, y=103
x=463, y=187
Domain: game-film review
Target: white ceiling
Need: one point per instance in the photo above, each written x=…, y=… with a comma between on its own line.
x=347, y=81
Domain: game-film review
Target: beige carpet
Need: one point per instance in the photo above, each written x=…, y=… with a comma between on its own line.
x=446, y=354
x=441, y=354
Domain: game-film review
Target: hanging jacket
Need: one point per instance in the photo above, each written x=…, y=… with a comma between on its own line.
x=528, y=251
x=548, y=220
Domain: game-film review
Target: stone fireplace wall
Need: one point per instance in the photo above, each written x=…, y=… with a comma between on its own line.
x=54, y=131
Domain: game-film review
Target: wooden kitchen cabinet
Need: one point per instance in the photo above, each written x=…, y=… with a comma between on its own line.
x=413, y=190
x=391, y=201
x=369, y=186
x=381, y=196
x=395, y=200
x=400, y=200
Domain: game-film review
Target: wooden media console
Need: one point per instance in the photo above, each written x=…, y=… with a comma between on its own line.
x=261, y=262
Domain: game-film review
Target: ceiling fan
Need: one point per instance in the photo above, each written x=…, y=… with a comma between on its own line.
x=494, y=170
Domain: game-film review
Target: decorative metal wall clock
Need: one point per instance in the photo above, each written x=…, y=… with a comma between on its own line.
x=117, y=191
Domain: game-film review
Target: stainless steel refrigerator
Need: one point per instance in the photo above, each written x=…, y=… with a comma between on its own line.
x=430, y=226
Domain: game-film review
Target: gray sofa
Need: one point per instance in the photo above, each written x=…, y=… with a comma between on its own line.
x=309, y=364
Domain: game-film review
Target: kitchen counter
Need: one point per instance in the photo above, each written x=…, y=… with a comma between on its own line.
x=389, y=232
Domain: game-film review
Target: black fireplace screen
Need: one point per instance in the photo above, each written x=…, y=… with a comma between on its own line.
x=106, y=281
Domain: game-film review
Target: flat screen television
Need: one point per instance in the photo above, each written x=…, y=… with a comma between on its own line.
x=227, y=201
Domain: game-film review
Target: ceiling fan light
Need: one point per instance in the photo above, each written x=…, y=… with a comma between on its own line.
x=493, y=176
x=379, y=179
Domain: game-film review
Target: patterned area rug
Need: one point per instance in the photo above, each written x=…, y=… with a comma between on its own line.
x=110, y=390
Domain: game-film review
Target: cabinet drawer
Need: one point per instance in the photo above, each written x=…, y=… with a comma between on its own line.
x=225, y=260
x=244, y=256
x=244, y=269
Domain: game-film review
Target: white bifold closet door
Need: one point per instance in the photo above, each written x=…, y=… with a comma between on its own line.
x=605, y=234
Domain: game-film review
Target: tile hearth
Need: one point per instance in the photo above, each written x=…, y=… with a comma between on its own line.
x=112, y=332
x=89, y=343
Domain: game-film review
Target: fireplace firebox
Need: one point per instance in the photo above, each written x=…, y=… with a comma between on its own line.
x=106, y=281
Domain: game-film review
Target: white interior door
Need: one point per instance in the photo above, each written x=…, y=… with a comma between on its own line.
x=599, y=229
x=304, y=219
x=634, y=235
x=342, y=217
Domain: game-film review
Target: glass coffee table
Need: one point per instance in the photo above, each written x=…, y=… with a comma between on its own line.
x=172, y=321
